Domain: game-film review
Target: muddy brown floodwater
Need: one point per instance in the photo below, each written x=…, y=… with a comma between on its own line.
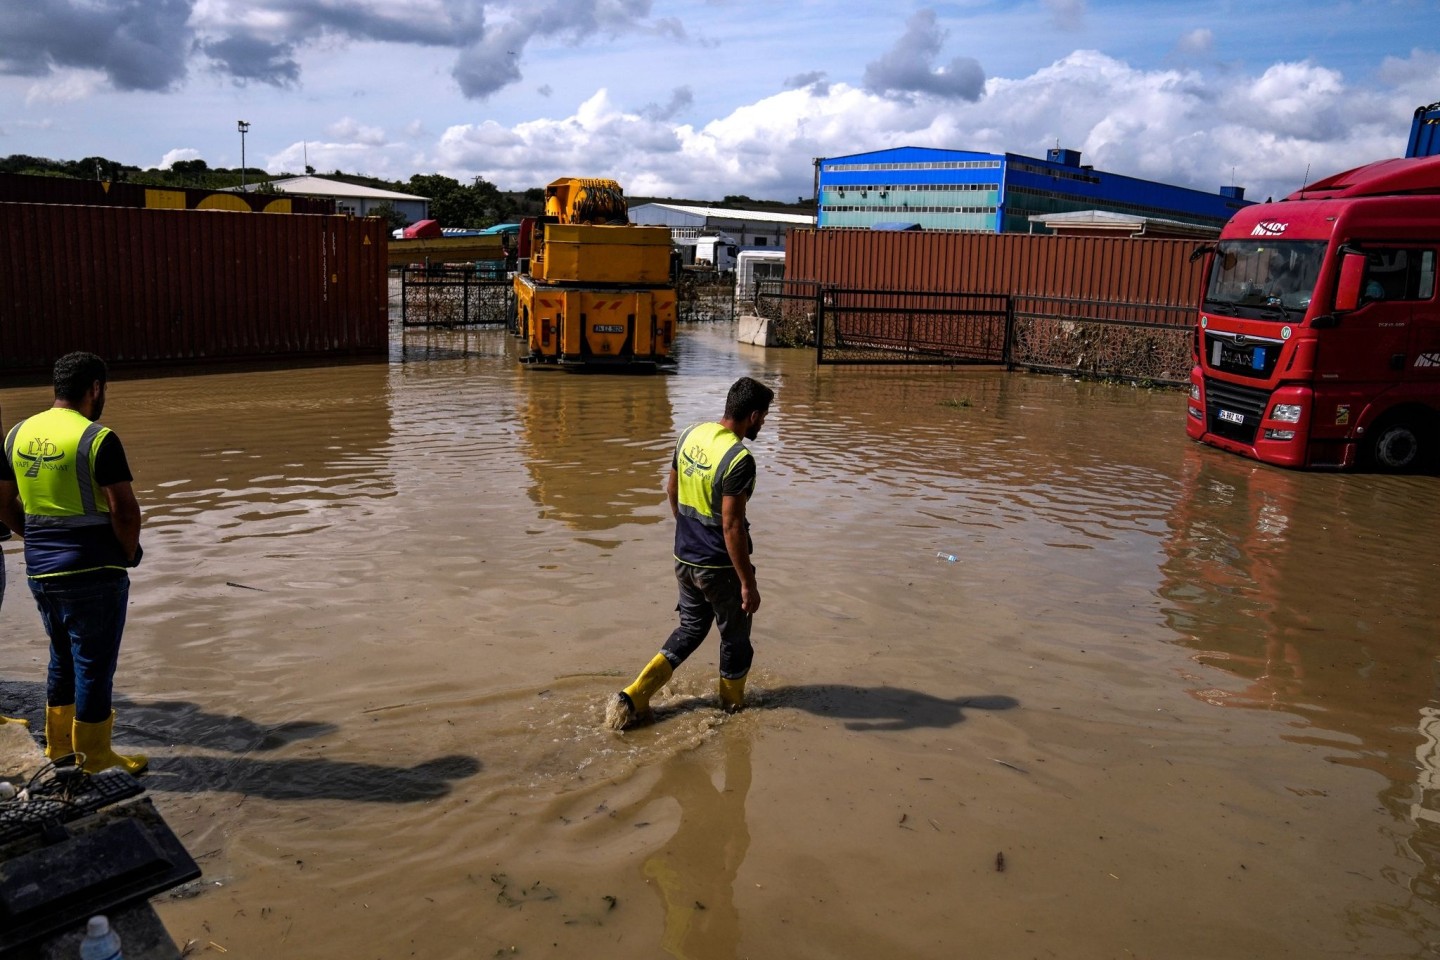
x=1191, y=701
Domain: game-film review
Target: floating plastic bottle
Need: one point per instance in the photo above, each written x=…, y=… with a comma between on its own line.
x=947, y=557
x=100, y=943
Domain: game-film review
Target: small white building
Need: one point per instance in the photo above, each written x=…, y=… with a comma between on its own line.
x=752, y=266
x=751, y=229
x=349, y=197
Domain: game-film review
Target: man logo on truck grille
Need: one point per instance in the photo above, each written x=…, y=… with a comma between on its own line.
x=1428, y=360
x=1268, y=228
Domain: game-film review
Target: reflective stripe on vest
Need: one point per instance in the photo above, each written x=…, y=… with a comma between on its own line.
x=704, y=454
x=52, y=455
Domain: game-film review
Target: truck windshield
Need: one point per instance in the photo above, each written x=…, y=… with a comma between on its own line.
x=1265, y=280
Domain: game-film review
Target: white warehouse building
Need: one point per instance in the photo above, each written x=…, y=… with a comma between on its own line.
x=349, y=198
x=750, y=229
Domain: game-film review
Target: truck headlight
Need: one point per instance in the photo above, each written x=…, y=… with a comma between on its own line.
x=1195, y=392
x=1273, y=434
x=1286, y=413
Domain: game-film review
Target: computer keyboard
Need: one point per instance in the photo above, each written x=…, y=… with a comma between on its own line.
x=67, y=794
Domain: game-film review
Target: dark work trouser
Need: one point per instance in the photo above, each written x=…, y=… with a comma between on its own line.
x=711, y=596
x=84, y=618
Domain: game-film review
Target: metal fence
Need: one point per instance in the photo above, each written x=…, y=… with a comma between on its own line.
x=879, y=326
x=791, y=306
x=704, y=295
x=454, y=297
x=1147, y=342
x=1103, y=338
x=465, y=296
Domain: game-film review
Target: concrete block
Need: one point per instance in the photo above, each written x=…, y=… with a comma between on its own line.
x=753, y=330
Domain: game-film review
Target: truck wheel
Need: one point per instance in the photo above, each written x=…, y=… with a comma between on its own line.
x=1398, y=446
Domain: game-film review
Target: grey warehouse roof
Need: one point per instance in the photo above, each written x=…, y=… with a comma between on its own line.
x=702, y=213
x=321, y=187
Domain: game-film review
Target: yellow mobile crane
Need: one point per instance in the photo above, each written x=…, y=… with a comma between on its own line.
x=598, y=292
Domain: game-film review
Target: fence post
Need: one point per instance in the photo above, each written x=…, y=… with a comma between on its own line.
x=1007, y=352
x=818, y=331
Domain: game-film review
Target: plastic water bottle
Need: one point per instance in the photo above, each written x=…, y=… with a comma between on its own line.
x=947, y=557
x=100, y=943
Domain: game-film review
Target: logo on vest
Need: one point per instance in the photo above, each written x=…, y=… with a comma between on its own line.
x=40, y=453
x=696, y=461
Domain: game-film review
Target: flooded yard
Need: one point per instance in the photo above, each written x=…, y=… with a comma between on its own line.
x=1164, y=703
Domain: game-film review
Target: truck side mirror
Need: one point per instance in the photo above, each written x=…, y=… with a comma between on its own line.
x=1352, y=272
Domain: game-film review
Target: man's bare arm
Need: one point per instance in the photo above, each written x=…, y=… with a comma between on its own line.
x=732, y=523
x=124, y=516
x=12, y=514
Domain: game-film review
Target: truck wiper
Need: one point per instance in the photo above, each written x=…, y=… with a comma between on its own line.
x=1278, y=304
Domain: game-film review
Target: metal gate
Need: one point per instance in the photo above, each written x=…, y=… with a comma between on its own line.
x=888, y=326
x=454, y=297
x=704, y=295
x=1147, y=342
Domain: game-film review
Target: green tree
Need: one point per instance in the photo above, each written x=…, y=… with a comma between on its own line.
x=386, y=211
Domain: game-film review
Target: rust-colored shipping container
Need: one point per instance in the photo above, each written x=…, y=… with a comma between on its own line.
x=1114, y=269
x=24, y=188
x=141, y=286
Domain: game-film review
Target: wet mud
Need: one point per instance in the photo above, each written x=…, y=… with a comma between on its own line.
x=1164, y=702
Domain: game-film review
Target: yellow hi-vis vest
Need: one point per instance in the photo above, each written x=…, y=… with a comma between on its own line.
x=704, y=454
x=51, y=455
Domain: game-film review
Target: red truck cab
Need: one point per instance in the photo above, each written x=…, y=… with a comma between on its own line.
x=1318, y=341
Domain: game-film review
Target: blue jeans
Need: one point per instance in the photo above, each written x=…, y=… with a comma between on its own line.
x=708, y=596
x=84, y=619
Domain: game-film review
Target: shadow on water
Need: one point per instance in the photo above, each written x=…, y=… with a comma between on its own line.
x=880, y=708
x=312, y=779
x=863, y=708
x=140, y=723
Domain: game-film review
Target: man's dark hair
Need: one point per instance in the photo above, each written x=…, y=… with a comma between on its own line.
x=747, y=396
x=75, y=373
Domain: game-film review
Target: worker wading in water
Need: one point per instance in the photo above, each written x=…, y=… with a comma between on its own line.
x=712, y=475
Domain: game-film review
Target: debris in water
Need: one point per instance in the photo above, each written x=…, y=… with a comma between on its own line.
x=1000, y=862
x=1010, y=765
x=241, y=586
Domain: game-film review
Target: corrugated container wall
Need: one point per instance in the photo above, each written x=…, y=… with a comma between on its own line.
x=1129, y=270
x=154, y=286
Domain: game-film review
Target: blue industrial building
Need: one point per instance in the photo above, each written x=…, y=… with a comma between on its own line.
x=996, y=192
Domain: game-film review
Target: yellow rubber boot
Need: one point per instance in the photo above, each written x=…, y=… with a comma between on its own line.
x=732, y=694
x=632, y=705
x=93, y=740
x=59, y=722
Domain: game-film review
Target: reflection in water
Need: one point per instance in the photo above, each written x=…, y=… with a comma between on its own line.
x=589, y=479
x=1315, y=593
x=694, y=872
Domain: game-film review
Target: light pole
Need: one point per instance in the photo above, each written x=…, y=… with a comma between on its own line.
x=244, y=127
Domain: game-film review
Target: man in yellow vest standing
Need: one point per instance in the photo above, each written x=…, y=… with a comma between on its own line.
x=65, y=488
x=712, y=476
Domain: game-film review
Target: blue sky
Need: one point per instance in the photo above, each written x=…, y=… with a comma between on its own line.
x=705, y=99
